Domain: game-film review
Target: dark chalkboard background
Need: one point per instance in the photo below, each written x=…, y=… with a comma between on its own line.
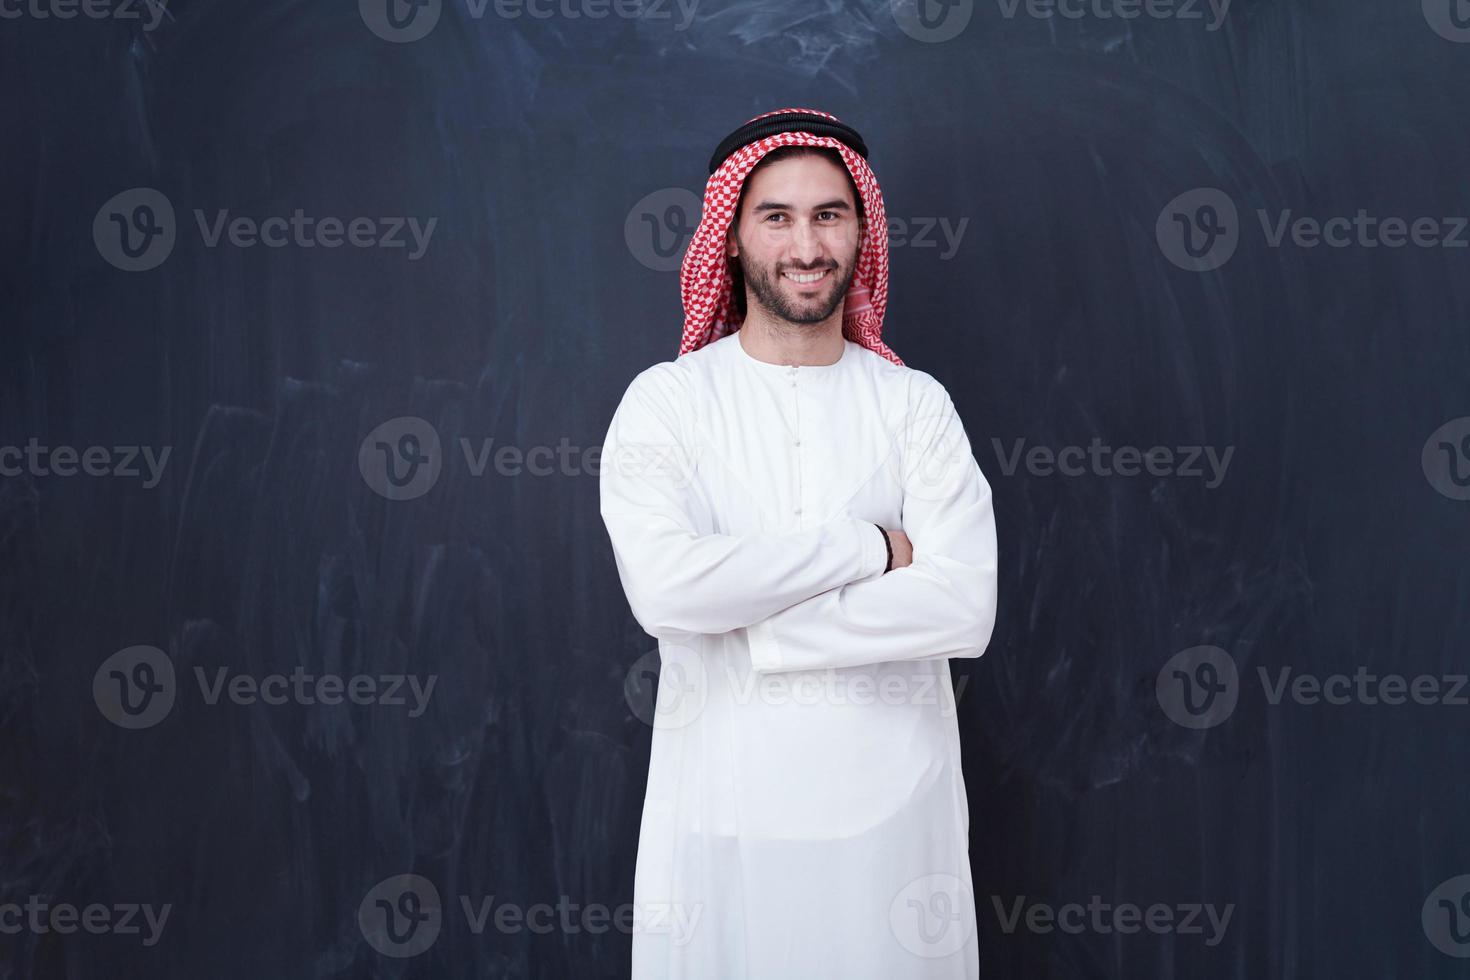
x=559, y=158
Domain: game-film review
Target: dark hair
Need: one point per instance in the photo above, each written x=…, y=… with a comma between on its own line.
x=737, y=275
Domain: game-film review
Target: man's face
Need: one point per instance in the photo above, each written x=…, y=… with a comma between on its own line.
x=798, y=219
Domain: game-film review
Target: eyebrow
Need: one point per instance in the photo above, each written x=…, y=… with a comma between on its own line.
x=825, y=206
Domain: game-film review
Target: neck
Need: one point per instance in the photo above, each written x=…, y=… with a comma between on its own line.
x=779, y=342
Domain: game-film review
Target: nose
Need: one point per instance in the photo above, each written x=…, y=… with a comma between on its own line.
x=806, y=245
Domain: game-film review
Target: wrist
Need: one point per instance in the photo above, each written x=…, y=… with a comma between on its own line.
x=888, y=546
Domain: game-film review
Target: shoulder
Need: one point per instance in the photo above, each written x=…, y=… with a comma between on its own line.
x=683, y=373
x=658, y=381
x=674, y=377
x=918, y=390
x=680, y=384
x=662, y=395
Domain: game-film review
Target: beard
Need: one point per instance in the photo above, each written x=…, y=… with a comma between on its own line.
x=773, y=292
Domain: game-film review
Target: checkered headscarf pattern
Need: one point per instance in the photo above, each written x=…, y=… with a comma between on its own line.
x=705, y=282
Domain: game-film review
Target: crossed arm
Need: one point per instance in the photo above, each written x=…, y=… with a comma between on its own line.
x=808, y=599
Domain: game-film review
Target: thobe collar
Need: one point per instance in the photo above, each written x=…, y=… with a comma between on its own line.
x=783, y=370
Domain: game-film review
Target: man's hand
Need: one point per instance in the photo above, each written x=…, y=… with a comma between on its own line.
x=903, y=548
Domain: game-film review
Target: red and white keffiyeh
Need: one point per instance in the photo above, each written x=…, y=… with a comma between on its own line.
x=705, y=282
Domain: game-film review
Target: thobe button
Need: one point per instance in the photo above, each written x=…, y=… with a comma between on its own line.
x=796, y=510
x=796, y=442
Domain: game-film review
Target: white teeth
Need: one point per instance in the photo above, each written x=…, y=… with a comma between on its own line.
x=804, y=278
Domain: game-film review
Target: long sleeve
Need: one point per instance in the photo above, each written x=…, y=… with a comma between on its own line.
x=680, y=581
x=943, y=605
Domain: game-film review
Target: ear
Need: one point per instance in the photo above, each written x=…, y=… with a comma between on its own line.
x=732, y=245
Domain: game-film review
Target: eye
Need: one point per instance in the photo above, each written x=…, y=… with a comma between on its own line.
x=773, y=216
x=832, y=213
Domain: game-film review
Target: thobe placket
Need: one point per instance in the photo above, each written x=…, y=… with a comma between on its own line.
x=793, y=372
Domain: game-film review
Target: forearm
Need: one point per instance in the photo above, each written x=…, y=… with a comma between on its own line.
x=942, y=605
x=679, y=582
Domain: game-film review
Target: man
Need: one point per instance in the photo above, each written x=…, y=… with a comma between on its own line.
x=799, y=520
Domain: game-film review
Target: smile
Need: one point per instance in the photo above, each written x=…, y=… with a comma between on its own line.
x=807, y=278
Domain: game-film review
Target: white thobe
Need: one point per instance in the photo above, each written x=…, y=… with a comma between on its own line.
x=805, y=815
